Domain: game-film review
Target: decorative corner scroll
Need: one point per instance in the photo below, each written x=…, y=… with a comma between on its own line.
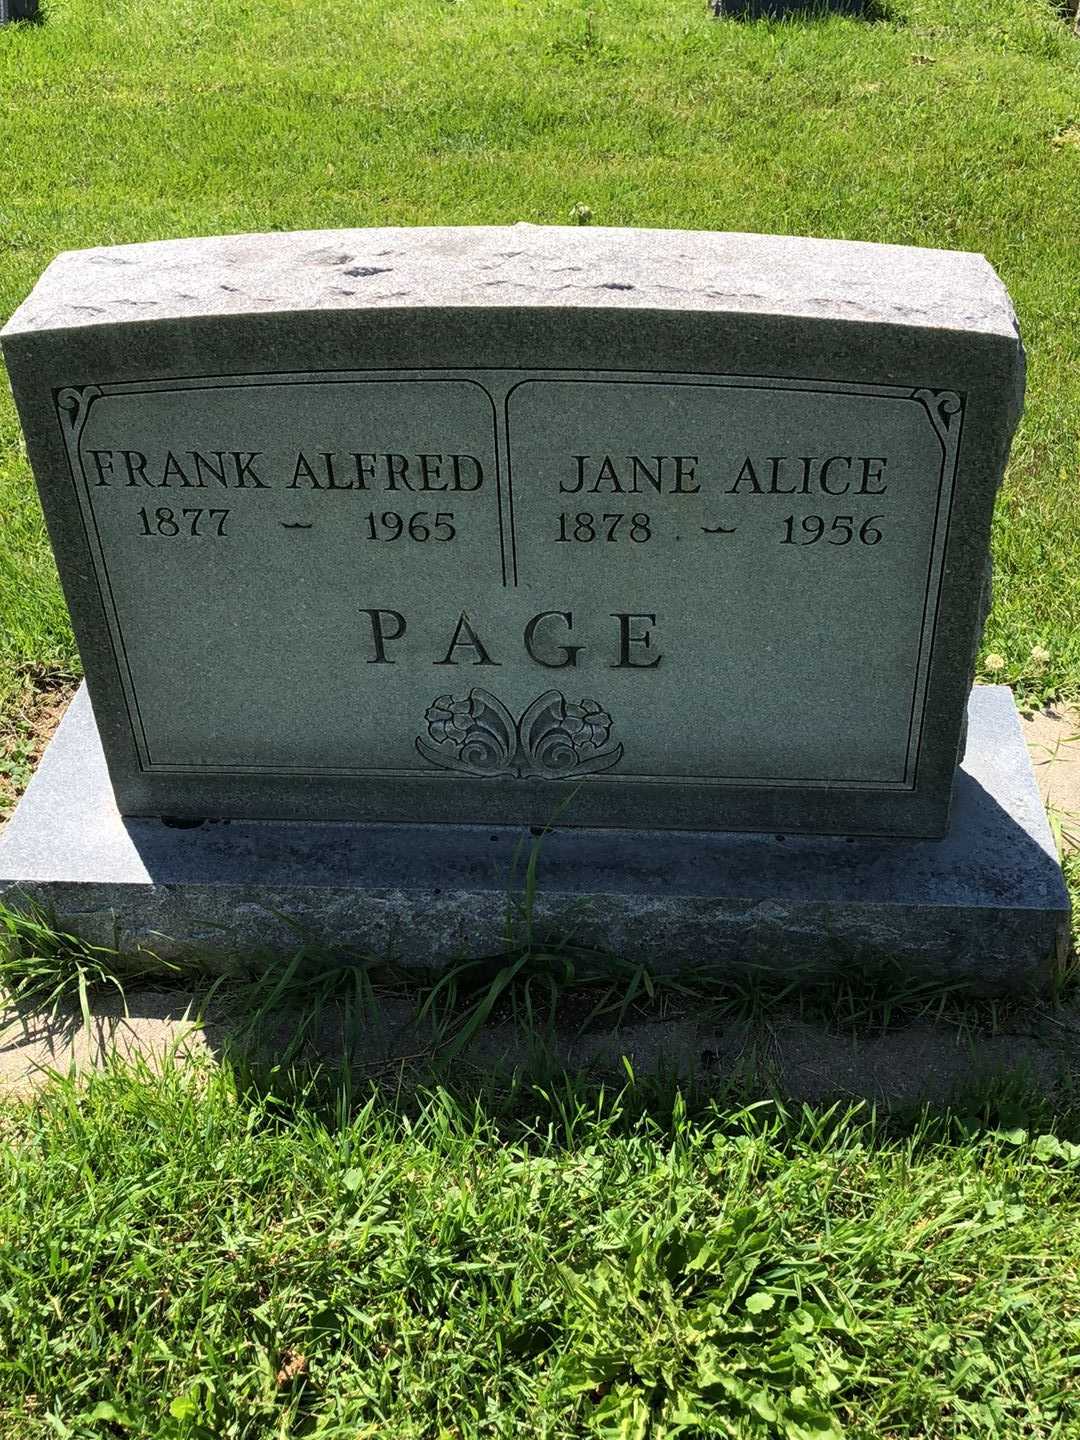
x=945, y=409
x=555, y=739
x=74, y=408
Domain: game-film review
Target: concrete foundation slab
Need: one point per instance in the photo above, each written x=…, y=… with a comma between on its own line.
x=986, y=906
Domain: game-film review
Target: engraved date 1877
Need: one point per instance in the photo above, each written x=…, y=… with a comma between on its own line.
x=191, y=522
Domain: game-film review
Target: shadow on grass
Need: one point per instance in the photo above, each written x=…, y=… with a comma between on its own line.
x=548, y=1025
x=511, y=1031
x=540, y=1037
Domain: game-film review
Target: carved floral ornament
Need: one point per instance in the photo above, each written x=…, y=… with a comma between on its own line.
x=555, y=739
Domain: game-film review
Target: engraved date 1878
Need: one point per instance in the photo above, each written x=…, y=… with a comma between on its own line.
x=585, y=527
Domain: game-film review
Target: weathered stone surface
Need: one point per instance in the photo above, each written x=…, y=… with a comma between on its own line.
x=157, y=1027
x=985, y=906
x=644, y=529
x=533, y=266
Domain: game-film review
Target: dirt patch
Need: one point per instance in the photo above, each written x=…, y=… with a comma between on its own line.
x=1053, y=741
x=149, y=1025
x=26, y=729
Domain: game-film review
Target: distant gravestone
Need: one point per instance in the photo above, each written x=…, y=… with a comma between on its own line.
x=18, y=10
x=645, y=530
x=785, y=9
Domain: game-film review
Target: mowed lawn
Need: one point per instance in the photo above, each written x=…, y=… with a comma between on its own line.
x=181, y=1259
x=226, y=1252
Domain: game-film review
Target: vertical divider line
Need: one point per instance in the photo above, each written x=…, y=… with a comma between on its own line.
x=508, y=533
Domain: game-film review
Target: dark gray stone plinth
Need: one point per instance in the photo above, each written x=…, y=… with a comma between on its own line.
x=984, y=906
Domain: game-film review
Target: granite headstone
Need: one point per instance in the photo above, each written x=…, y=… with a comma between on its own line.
x=382, y=546
x=644, y=529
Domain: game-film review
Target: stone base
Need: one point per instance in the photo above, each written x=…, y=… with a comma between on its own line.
x=985, y=907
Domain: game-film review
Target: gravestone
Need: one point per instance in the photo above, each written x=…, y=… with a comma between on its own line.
x=18, y=10
x=785, y=9
x=427, y=530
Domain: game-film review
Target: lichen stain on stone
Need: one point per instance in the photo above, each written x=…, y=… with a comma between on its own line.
x=328, y=257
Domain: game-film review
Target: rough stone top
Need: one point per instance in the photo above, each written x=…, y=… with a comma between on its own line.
x=519, y=266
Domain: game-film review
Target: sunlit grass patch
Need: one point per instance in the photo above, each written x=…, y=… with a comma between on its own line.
x=184, y=1257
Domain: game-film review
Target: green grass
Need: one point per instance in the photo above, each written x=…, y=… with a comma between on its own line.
x=418, y=1241
x=951, y=123
x=181, y=1256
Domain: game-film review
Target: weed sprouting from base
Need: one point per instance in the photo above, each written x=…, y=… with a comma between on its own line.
x=43, y=968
